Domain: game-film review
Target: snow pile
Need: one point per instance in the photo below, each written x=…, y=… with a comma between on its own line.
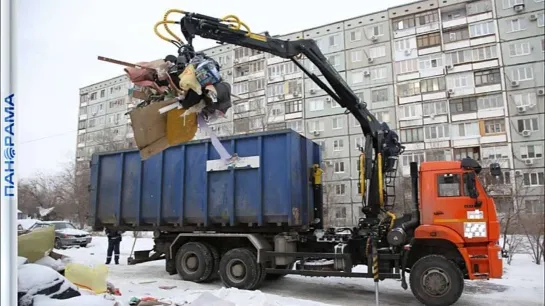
x=236, y=297
x=34, y=279
x=21, y=261
x=47, y=261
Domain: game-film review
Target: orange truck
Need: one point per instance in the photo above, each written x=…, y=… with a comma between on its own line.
x=451, y=235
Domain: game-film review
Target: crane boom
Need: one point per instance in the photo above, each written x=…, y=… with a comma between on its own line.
x=382, y=146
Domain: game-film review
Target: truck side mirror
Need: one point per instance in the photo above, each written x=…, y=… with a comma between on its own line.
x=471, y=185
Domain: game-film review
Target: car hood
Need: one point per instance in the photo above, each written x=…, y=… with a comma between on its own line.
x=71, y=231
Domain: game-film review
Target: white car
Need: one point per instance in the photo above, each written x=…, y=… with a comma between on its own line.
x=66, y=234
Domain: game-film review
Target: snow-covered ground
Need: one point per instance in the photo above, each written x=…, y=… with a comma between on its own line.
x=523, y=284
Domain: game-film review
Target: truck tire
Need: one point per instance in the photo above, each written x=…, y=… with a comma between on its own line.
x=194, y=262
x=239, y=269
x=215, y=262
x=436, y=281
x=170, y=266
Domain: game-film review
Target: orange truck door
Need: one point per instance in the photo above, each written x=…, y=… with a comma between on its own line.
x=454, y=208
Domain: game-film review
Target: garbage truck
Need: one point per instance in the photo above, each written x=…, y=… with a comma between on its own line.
x=263, y=216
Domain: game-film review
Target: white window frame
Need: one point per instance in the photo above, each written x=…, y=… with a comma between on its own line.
x=490, y=102
x=377, y=51
x=379, y=73
x=407, y=66
x=433, y=108
x=410, y=112
x=338, y=167
x=525, y=99
x=316, y=126
x=439, y=129
x=338, y=145
x=358, y=141
x=356, y=56
x=337, y=123
x=336, y=40
x=538, y=150
x=430, y=62
x=540, y=20
x=516, y=25
x=340, y=189
x=471, y=127
x=380, y=115
x=530, y=176
x=528, y=72
x=528, y=124
x=482, y=29
x=355, y=35
x=519, y=49
x=316, y=105
x=402, y=44
x=457, y=80
x=379, y=28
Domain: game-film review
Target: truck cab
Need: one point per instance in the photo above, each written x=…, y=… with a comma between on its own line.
x=456, y=211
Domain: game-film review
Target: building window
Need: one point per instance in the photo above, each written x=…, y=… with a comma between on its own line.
x=525, y=99
x=83, y=98
x=408, y=89
x=293, y=107
x=516, y=25
x=338, y=123
x=117, y=103
x=256, y=123
x=378, y=73
x=436, y=155
x=485, y=53
x=494, y=126
x=334, y=60
x=463, y=105
x=276, y=110
x=338, y=145
x=430, y=62
x=379, y=95
x=316, y=105
x=507, y=4
x=471, y=152
x=355, y=35
x=282, y=69
x=453, y=15
x=482, y=29
x=376, y=30
x=533, y=179
x=540, y=20
x=438, y=131
x=478, y=7
x=466, y=129
x=412, y=135
x=295, y=125
x=340, y=189
x=356, y=55
x=427, y=18
x=403, y=23
x=82, y=124
x=522, y=74
x=402, y=44
x=339, y=167
x=409, y=112
x=358, y=143
x=519, y=49
x=316, y=126
x=83, y=110
x=256, y=85
x=503, y=179
x=376, y=52
x=487, y=77
x=459, y=57
x=488, y=102
x=103, y=93
x=240, y=88
x=533, y=206
x=407, y=66
x=456, y=35
x=434, y=108
x=531, y=151
x=529, y=124
x=459, y=81
x=495, y=153
x=382, y=116
x=409, y=157
x=93, y=96
x=428, y=40
x=334, y=40
x=432, y=85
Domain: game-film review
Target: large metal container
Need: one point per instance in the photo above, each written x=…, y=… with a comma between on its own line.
x=188, y=187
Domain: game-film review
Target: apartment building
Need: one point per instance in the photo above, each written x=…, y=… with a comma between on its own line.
x=102, y=124
x=454, y=78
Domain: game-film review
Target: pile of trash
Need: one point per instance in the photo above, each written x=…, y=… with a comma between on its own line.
x=179, y=95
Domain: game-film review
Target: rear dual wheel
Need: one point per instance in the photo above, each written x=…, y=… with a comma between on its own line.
x=239, y=269
x=195, y=262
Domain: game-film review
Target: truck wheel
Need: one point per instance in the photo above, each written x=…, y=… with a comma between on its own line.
x=436, y=281
x=239, y=269
x=215, y=262
x=194, y=262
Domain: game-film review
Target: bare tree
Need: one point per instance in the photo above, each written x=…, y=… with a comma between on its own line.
x=40, y=191
x=75, y=193
x=533, y=226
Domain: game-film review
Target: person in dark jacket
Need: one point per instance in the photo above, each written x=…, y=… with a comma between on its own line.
x=114, y=240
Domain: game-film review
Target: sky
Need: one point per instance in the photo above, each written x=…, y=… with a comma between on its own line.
x=57, y=43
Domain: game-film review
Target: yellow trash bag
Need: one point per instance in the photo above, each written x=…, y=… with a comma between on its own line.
x=92, y=278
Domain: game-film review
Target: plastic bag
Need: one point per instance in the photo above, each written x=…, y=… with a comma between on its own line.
x=87, y=277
